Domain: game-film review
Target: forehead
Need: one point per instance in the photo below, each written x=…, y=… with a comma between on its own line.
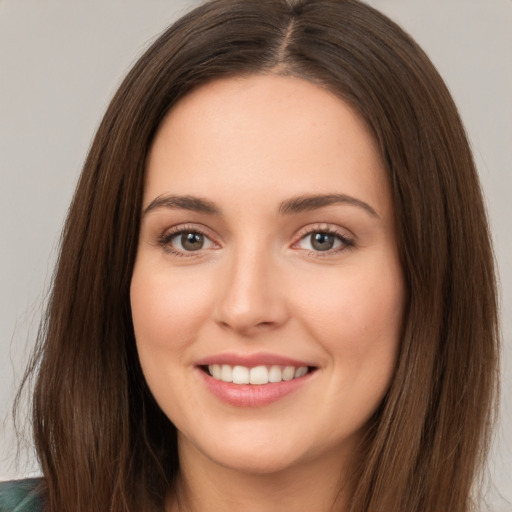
x=264, y=133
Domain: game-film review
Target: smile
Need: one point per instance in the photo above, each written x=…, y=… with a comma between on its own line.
x=257, y=375
x=254, y=380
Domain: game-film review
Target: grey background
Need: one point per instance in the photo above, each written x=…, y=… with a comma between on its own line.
x=60, y=62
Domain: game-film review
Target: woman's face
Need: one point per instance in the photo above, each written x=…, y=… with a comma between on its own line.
x=267, y=249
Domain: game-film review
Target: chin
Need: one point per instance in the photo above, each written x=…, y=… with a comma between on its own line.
x=256, y=462
x=266, y=451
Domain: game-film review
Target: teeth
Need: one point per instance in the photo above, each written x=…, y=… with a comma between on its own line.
x=226, y=373
x=300, y=372
x=240, y=375
x=215, y=370
x=257, y=375
x=275, y=374
x=288, y=373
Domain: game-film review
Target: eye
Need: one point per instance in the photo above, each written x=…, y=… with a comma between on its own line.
x=189, y=241
x=324, y=241
x=185, y=241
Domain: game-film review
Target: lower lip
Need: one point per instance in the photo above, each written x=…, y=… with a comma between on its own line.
x=252, y=395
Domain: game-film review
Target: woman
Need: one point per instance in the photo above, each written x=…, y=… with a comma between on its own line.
x=276, y=287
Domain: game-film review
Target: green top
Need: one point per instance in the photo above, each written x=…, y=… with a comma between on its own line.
x=20, y=496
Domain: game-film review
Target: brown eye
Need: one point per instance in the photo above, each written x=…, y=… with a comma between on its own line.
x=192, y=241
x=186, y=242
x=322, y=241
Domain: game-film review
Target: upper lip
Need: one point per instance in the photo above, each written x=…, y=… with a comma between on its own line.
x=251, y=360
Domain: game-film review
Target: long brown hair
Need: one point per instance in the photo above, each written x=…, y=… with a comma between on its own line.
x=102, y=441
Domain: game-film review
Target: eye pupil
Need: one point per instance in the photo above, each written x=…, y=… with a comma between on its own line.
x=192, y=241
x=322, y=241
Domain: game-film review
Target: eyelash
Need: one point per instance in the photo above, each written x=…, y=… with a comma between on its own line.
x=166, y=237
x=347, y=243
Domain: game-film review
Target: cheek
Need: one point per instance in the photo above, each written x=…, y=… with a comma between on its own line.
x=357, y=304
x=167, y=311
x=164, y=305
x=358, y=320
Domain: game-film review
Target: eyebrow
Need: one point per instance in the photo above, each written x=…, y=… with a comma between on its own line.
x=183, y=203
x=312, y=202
x=297, y=204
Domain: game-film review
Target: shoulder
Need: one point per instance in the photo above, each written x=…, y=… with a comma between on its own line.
x=21, y=495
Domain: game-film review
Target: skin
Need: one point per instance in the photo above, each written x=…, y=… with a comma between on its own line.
x=247, y=145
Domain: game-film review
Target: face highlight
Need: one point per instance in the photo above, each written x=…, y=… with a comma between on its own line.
x=267, y=294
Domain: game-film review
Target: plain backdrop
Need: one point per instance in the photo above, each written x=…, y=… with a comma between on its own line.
x=60, y=62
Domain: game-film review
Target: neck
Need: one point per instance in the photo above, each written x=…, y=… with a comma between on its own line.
x=320, y=486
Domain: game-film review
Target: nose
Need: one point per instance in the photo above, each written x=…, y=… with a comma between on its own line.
x=252, y=298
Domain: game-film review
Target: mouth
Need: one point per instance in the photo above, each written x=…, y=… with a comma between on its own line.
x=254, y=380
x=256, y=375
